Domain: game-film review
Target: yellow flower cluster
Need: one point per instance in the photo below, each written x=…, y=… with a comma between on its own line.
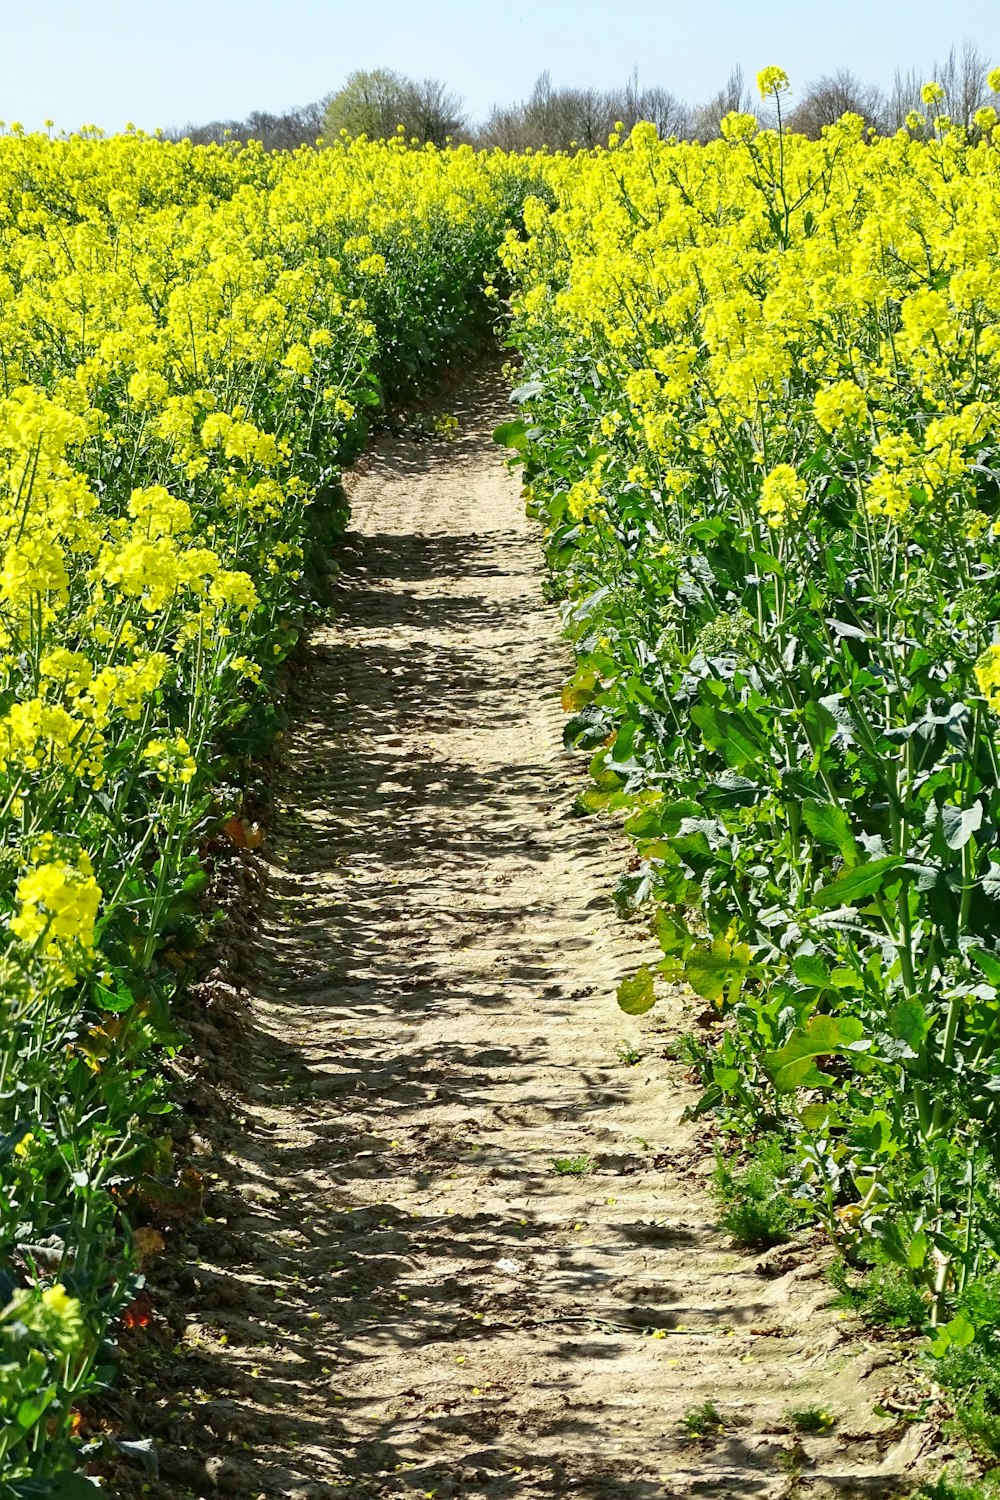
x=58, y=903
x=783, y=496
x=739, y=308
x=987, y=673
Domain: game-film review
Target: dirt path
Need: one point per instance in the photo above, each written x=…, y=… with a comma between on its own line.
x=398, y=1294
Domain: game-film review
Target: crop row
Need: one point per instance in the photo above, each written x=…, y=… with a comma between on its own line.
x=191, y=340
x=760, y=419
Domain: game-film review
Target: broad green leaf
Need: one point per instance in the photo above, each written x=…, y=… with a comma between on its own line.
x=765, y=563
x=960, y=823
x=818, y=718
x=636, y=994
x=732, y=790
x=591, y=800
x=665, y=818
x=910, y=1023
x=711, y=969
x=34, y=1406
x=830, y=825
x=958, y=1334
x=727, y=1078
x=794, y=1065
x=116, y=1001
x=727, y=734
x=862, y=881
x=672, y=932
x=916, y=1251
x=820, y=1115
x=810, y=969
x=574, y=697
x=74, y=1487
x=987, y=963
x=631, y=891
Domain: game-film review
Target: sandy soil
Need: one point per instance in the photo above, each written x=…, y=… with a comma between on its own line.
x=397, y=1293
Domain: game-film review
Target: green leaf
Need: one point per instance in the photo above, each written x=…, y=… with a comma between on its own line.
x=636, y=994
x=711, y=969
x=660, y=821
x=820, y=1115
x=728, y=1079
x=672, y=932
x=855, y=885
x=986, y=963
x=810, y=969
x=631, y=891
x=909, y=1023
x=765, y=563
x=830, y=825
x=511, y=435
x=74, y=1487
x=117, y=1001
x=960, y=823
x=591, y=800
x=794, y=1065
x=916, y=1251
x=732, y=790
x=817, y=717
x=34, y=1406
x=729, y=735
x=958, y=1334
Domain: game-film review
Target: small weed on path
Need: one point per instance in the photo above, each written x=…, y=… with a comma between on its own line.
x=572, y=1166
x=811, y=1419
x=704, y=1421
x=756, y=1209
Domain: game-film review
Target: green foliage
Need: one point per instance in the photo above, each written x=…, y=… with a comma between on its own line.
x=950, y=1486
x=635, y=994
x=794, y=689
x=572, y=1166
x=756, y=1208
x=882, y=1293
x=965, y=1361
x=376, y=103
x=704, y=1420
x=811, y=1419
x=325, y=300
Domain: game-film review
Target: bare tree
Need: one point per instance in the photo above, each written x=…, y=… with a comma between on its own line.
x=503, y=128
x=568, y=119
x=962, y=75
x=378, y=102
x=904, y=97
x=432, y=113
x=563, y=119
x=733, y=96
x=670, y=115
x=277, y=132
x=834, y=95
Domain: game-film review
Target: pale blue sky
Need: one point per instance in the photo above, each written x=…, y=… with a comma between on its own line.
x=106, y=62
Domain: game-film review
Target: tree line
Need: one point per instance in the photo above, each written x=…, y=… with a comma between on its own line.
x=381, y=103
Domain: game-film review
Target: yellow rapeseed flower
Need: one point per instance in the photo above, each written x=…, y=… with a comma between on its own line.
x=987, y=674
x=783, y=496
x=772, y=81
